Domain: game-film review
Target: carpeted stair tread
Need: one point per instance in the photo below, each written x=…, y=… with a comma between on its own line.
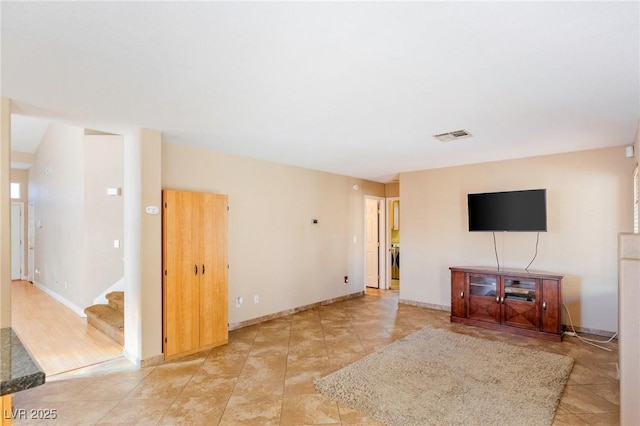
x=108, y=320
x=116, y=300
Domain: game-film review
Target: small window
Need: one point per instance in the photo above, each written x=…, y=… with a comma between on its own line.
x=15, y=190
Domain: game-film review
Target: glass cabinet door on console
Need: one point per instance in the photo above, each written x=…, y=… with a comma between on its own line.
x=519, y=302
x=483, y=298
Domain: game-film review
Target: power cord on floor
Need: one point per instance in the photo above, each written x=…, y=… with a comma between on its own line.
x=591, y=342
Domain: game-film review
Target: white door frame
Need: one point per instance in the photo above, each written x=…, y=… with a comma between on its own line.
x=20, y=253
x=382, y=236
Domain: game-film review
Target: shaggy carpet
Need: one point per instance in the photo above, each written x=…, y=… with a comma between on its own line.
x=435, y=377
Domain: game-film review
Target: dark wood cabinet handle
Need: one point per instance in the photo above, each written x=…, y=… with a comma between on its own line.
x=196, y=269
x=203, y=269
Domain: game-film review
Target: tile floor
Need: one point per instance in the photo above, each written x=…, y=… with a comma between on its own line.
x=264, y=376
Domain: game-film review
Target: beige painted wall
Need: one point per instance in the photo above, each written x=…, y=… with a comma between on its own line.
x=103, y=214
x=392, y=190
x=588, y=204
x=275, y=251
x=56, y=187
x=76, y=222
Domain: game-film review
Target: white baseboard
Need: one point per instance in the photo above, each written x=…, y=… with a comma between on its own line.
x=66, y=302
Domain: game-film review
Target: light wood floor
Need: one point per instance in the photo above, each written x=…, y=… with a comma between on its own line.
x=55, y=336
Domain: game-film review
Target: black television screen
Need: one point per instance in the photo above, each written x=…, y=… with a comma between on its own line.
x=524, y=211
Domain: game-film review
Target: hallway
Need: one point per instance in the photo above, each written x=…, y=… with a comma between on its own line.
x=55, y=336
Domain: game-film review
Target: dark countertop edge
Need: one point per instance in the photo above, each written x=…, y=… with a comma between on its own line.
x=22, y=383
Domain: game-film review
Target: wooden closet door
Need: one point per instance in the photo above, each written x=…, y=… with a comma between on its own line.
x=180, y=291
x=214, y=260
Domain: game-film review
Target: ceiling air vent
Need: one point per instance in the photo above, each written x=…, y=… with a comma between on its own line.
x=450, y=136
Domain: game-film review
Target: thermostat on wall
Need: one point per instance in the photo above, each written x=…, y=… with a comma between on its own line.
x=152, y=209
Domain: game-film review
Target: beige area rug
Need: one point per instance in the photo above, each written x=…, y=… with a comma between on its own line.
x=435, y=377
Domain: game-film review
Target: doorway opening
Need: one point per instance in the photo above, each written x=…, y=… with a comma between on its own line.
x=374, y=240
x=17, y=241
x=393, y=230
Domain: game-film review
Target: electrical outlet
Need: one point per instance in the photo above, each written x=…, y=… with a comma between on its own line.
x=238, y=302
x=346, y=279
x=256, y=299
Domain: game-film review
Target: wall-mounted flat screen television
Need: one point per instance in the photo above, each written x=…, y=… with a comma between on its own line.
x=515, y=211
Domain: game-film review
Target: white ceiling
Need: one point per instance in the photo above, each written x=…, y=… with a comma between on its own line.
x=356, y=88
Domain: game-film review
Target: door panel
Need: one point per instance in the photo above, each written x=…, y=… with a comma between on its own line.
x=521, y=314
x=372, y=244
x=520, y=307
x=551, y=309
x=458, y=294
x=180, y=294
x=213, y=279
x=484, y=309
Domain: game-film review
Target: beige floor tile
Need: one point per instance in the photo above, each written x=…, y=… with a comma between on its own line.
x=159, y=387
x=204, y=385
x=241, y=410
x=610, y=392
x=309, y=409
x=608, y=419
x=256, y=365
x=63, y=413
x=339, y=333
x=282, y=322
x=140, y=412
x=578, y=399
x=301, y=382
x=234, y=347
x=304, y=363
x=269, y=348
x=203, y=411
x=179, y=367
x=265, y=374
x=223, y=364
x=567, y=419
x=106, y=388
x=280, y=335
x=309, y=348
x=265, y=385
x=347, y=345
x=57, y=391
x=349, y=416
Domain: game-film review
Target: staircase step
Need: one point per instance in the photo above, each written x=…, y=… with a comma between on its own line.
x=116, y=300
x=108, y=320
